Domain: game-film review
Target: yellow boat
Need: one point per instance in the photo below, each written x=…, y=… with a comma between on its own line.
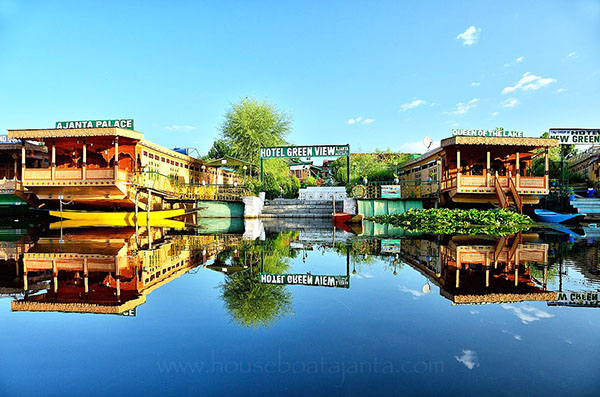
x=118, y=218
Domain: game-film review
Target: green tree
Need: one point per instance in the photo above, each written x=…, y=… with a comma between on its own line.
x=218, y=150
x=250, y=125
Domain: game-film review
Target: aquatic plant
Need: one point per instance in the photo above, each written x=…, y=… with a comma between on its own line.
x=455, y=221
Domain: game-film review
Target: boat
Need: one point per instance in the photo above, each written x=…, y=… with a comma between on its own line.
x=557, y=217
x=343, y=217
x=117, y=218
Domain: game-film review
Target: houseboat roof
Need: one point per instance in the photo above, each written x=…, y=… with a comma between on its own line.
x=73, y=133
x=490, y=141
x=530, y=143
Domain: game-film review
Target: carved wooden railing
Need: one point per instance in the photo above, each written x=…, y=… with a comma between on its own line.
x=513, y=191
x=502, y=199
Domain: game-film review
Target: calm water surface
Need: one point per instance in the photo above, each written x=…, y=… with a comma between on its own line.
x=193, y=311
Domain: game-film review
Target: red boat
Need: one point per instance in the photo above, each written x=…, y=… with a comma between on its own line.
x=341, y=217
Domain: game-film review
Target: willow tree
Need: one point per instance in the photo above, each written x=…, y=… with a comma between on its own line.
x=252, y=124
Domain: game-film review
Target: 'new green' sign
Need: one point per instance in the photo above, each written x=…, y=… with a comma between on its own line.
x=284, y=152
x=122, y=123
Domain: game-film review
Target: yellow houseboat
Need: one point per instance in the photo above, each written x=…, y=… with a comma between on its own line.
x=483, y=169
x=97, y=168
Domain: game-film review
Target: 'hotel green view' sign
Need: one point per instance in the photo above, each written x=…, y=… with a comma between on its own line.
x=284, y=152
x=121, y=123
x=497, y=133
x=305, y=279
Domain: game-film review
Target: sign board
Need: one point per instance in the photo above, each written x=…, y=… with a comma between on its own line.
x=496, y=133
x=285, y=152
x=305, y=279
x=6, y=139
x=575, y=136
x=391, y=246
x=576, y=299
x=130, y=312
x=121, y=123
x=390, y=191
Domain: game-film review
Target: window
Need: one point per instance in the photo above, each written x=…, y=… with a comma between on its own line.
x=145, y=153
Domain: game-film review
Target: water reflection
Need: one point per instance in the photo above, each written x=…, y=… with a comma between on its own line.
x=112, y=270
x=102, y=270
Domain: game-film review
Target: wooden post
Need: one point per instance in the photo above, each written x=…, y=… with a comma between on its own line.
x=53, y=161
x=458, y=170
x=487, y=276
x=23, y=157
x=487, y=170
x=518, y=176
x=457, y=277
x=546, y=170
x=516, y=273
x=137, y=237
x=86, y=287
x=148, y=219
x=25, y=284
x=84, y=166
x=16, y=176
x=118, y=277
x=55, y=275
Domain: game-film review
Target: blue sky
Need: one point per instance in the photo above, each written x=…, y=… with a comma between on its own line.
x=373, y=74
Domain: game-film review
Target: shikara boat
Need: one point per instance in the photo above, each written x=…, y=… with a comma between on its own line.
x=556, y=217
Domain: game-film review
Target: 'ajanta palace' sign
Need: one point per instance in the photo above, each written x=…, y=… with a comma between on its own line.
x=284, y=152
x=121, y=123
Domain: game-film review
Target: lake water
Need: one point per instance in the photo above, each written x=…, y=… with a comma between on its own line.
x=210, y=311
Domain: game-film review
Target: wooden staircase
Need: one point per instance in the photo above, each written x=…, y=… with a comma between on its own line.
x=503, y=199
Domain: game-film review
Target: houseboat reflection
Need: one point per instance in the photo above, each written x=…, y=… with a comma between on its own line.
x=470, y=270
x=105, y=270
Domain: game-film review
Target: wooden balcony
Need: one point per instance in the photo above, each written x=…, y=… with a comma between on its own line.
x=485, y=184
x=72, y=176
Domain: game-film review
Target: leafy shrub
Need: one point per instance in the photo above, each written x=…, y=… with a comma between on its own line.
x=455, y=221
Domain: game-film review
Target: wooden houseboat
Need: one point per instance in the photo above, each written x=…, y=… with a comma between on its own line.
x=12, y=193
x=104, y=270
x=483, y=169
x=97, y=168
x=472, y=270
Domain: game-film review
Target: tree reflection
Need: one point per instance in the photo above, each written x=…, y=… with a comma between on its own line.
x=250, y=303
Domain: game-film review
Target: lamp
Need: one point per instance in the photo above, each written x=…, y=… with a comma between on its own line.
x=224, y=161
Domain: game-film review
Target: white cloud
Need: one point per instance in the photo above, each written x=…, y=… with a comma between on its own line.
x=468, y=358
x=495, y=114
x=528, y=314
x=510, y=103
x=469, y=36
x=529, y=82
x=359, y=120
x=475, y=84
x=416, y=103
x=572, y=54
x=520, y=59
x=413, y=292
x=184, y=128
x=560, y=90
x=462, y=108
x=474, y=311
x=416, y=147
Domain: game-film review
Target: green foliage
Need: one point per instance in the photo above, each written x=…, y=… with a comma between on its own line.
x=218, y=150
x=250, y=125
x=554, y=157
x=310, y=181
x=378, y=166
x=453, y=221
x=252, y=304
